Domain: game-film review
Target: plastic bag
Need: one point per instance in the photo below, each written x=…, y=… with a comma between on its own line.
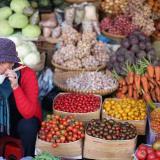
x=45, y=82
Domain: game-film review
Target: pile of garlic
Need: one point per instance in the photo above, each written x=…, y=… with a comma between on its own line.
x=91, y=81
x=80, y=50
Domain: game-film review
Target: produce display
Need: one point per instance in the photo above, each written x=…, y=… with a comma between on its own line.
x=125, y=109
x=111, y=130
x=119, y=25
x=80, y=50
x=141, y=82
x=114, y=7
x=61, y=130
x=20, y=15
x=77, y=103
x=92, y=81
x=146, y=152
x=133, y=48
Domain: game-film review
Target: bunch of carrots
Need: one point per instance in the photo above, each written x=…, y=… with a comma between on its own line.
x=141, y=81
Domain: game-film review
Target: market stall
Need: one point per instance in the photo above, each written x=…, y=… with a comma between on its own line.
x=99, y=63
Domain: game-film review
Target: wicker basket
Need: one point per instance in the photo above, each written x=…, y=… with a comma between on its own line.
x=83, y=69
x=83, y=117
x=100, y=149
x=139, y=124
x=60, y=81
x=79, y=1
x=72, y=149
x=113, y=37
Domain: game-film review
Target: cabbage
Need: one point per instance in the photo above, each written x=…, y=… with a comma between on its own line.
x=32, y=59
x=5, y=28
x=18, y=20
x=16, y=40
x=5, y=12
x=32, y=46
x=31, y=31
x=23, y=50
x=19, y=5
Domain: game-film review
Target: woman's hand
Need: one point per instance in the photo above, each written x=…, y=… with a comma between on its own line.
x=12, y=76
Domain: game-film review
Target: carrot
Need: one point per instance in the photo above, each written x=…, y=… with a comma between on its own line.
x=153, y=95
x=137, y=81
x=130, y=77
x=135, y=95
x=145, y=83
x=157, y=91
x=122, y=82
x=153, y=82
x=158, y=82
x=157, y=72
x=126, y=79
x=130, y=91
x=124, y=89
x=120, y=95
x=147, y=97
x=151, y=86
x=150, y=70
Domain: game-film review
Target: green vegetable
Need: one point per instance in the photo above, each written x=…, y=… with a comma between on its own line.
x=18, y=20
x=5, y=28
x=45, y=156
x=19, y=5
x=31, y=31
x=5, y=12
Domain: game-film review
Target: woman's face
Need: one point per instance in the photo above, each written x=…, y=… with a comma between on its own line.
x=4, y=66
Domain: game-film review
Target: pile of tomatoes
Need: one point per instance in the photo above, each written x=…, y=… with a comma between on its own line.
x=57, y=130
x=145, y=152
x=77, y=103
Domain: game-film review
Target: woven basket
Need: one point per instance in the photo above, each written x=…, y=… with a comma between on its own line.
x=113, y=37
x=60, y=81
x=139, y=124
x=81, y=69
x=100, y=149
x=83, y=117
x=44, y=46
x=79, y=1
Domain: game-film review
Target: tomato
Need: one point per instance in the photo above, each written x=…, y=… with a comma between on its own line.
x=142, y=146
x=56, y=129
x=151, y=156
x=58, y=140
x=49, y=135
x=61, y=126
x=158, y=154
x=58, y=133
x=54, y=145
x=74, y=139
x=62, y=138
x=150, y=150
x=141, y=154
